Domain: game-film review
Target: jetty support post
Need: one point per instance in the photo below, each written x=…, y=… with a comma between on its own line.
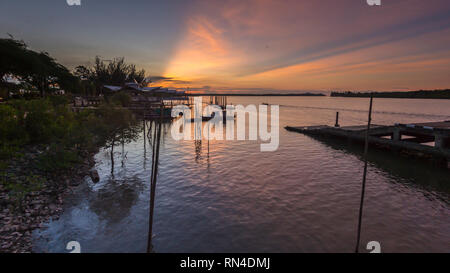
x=154, y=176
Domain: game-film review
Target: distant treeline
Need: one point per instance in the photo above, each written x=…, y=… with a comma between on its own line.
x=420, y=94
x=258, y=94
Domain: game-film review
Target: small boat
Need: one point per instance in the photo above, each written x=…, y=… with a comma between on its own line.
x=205, y=118
x=224, y=115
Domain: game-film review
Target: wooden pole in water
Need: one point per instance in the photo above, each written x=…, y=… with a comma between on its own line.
x=154, y=176
x=150, y=223
x=208, y=138
x=366, y=148
x=337, y=120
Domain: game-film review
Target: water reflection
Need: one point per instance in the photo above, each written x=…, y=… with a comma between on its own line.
x=198, y=150
x=413, y=172
x=227, y=196
x=113, y=203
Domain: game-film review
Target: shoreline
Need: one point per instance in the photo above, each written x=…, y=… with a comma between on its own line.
x=418, y=94
x=257, y=95
x=37, y=207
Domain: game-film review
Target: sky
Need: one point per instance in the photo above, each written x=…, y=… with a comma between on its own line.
x=248, y=45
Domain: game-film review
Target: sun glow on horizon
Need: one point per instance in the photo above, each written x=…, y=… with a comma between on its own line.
x=267, y=44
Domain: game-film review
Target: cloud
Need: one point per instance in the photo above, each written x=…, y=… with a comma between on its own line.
x=311, y=44
x=168, y=81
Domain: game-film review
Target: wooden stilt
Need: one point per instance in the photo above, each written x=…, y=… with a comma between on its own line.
x=361, y=204
x=154, y=176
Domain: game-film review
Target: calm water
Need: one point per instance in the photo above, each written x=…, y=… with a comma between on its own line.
x=304, y=197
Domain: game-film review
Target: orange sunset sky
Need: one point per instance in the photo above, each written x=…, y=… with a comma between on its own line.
x=250, y=45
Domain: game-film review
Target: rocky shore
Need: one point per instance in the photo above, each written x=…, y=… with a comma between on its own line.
x=22, y=211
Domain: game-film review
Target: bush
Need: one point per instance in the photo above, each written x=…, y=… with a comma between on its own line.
x=4, y=93
x=121, y=99
x=41, y=121
x=10, y=129
x=59, y=100
x=57, y=158
x=19, y=187
x=38, y=120
x=65, y=135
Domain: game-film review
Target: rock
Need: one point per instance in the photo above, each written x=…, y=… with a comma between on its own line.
x=52, y=208
x=7, y=245
x=75, y=182
x=37, y=207
x=36, y=202
x=94, y=176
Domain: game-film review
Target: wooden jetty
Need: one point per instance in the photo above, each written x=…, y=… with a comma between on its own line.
x=224, y=116
x=148, y=107
x=408, y=139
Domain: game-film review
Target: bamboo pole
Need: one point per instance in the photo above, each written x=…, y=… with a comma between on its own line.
x=154, y=176
x=337, y=120
x=366, y=148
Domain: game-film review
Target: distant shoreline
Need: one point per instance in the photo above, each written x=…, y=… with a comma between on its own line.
x=257, y=95
x=420, y=94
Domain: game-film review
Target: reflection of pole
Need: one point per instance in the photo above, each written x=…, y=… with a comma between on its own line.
x=145, y=147
x=157, y=141
x=123, y=149
x=149, y=133
x=366, y=148
x=207, y=159
x=112, y=158
x=208, y=138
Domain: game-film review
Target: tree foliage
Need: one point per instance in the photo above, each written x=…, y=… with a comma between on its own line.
x=43, y=73
x=38, y=69
x=115, y=72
